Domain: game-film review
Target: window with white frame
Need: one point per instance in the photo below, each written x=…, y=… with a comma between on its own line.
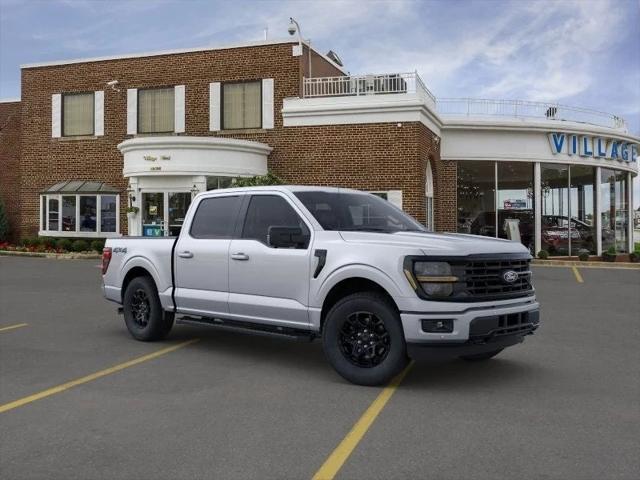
x=78, y=115
x=71, y=209
x=428, y=191
x=156, y=110
x=242, y=105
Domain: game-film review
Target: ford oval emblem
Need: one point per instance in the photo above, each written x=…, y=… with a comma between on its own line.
x=509, y=276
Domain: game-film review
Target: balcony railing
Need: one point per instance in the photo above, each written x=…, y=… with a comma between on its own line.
x=473, y=107
x=356, y=85
x=411, y=83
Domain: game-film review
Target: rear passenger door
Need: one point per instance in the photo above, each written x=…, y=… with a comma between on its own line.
x=267, y=284
x=202, y=257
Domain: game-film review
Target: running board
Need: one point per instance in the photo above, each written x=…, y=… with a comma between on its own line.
x=249, y=327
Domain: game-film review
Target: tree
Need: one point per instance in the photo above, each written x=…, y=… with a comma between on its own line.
x=5, y=228
x=268, y=179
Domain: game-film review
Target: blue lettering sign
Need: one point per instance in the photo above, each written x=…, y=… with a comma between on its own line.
x=586, y=148
x=614, y=150
x=624, y=152
x=600, y=150
x=573, y=148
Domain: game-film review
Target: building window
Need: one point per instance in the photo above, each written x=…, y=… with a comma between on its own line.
x=516, y=219
x=214, y=183
x=78, y=215
x=156, y=110
x=614, y=210
x=77, y=114
x=242, y=105
x=477, y=198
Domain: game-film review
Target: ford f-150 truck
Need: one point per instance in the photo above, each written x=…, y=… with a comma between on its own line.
x=343, y=265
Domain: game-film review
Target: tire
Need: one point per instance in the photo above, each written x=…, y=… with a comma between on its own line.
x=143, y=313
x=478, y=357
x=386, y=354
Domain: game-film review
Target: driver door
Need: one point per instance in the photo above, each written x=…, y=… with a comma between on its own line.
x=267, y=284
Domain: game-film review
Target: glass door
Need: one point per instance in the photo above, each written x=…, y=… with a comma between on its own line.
x=178, y=204
x=153, y=214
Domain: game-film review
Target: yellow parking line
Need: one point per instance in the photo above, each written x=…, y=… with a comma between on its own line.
x=94, y=376
x=11, y=327
x=577, y=274
x=334, y=463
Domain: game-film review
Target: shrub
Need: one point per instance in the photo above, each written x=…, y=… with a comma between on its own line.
x=97, y=245
x=30, y=242
x=79, y=246
x=543, y=254
x=65, y=244
x=5, y=228
x=583, y=255
x=48, y=243
x=268, y=179
x=611, y=250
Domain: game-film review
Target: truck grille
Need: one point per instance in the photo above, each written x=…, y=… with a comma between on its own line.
x=484, y=278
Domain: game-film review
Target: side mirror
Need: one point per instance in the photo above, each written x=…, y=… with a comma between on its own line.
x=286, y=237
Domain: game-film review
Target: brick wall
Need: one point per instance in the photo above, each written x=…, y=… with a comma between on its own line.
x=368, y=157
x=10, y=162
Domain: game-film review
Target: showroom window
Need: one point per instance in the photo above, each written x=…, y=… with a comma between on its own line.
x=516, y=218
x=156, y=110
x=614, y=210
x=241, y=105
x=77, y=114
x=78, y=208
x=477, y=198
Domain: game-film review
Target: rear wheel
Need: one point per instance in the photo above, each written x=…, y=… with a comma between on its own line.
x=363, y=339
x=143, y=313
x=478, y=357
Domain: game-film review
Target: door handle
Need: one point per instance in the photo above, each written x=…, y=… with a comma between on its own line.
x=239, y=256
x=185, y=254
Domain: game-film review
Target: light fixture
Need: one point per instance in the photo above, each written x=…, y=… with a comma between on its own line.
x=294, y=27
x=194, y=190
x=132, y=197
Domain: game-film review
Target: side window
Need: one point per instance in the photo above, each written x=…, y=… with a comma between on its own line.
x=270, y=210
x=215, y=217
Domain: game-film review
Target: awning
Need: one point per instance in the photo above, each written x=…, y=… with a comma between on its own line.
x=81, y=186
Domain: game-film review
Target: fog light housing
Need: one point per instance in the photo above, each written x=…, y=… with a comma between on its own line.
x=440, y=325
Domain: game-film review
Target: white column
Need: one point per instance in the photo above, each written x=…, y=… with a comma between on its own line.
x=537, y=207
x=598, y=217
x=134, y=223
x=630, y=211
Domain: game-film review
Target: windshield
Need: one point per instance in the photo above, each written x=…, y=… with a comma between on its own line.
x=357, y=212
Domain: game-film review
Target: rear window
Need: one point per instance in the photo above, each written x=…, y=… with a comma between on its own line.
x=215, y=217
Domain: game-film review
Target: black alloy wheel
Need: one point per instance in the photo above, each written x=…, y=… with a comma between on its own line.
x=364, y=340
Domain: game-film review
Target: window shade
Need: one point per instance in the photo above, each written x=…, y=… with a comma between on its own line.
x=156, y=110
x=242, y=105
x=77, y=114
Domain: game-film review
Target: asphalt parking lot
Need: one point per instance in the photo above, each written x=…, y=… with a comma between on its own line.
x=563, y=405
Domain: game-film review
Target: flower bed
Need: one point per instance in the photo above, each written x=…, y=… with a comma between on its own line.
x=54, y=245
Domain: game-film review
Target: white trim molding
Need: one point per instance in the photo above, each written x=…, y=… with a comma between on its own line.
x=267, y=103
x=98, y=113
x=179, y=110
x=214, y=106
x=56, y=115
x=183, y=155
x=132, y=111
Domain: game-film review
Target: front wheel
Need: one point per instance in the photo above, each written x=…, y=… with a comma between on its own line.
x=143, y=313
x=363, y=339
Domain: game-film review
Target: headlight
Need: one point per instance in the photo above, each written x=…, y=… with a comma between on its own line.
x=435, y=278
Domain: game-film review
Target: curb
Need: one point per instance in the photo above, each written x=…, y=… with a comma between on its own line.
x=572, y=263
x=58, y=256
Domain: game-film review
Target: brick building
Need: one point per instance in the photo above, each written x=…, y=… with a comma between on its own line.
x=91, y=138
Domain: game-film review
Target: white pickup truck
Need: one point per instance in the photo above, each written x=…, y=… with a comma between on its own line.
x=339, y=264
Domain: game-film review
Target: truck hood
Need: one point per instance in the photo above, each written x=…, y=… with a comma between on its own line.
x=454, y=244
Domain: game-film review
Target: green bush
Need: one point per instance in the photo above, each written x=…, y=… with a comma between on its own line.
x=97, y=245
x=583, y=255
x=30, y=242
x=543, y=254
x=79, y=246
x=611, y=250
x=5, y=228
x=268, y=179
x=48, y=243
x=65, y=244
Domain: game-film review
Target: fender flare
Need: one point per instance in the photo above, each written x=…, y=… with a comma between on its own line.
x=140, y=262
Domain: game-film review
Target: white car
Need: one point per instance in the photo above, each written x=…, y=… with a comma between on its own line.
x=339, y=264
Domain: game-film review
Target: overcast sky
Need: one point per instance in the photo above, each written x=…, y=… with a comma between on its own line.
x=584, y=53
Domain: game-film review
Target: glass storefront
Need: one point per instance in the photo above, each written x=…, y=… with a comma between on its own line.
x=477, y=198
x=163, y=213
x=614, y=210
x=497, y=199
x=516, y=219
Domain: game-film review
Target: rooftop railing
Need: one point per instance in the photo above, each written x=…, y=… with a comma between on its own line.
x=474, y=107
x=411, y=83
x=357, y=85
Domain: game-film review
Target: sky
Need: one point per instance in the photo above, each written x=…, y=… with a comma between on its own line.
x=584, y=53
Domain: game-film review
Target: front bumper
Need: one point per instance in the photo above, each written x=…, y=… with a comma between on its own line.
x=474, y=324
